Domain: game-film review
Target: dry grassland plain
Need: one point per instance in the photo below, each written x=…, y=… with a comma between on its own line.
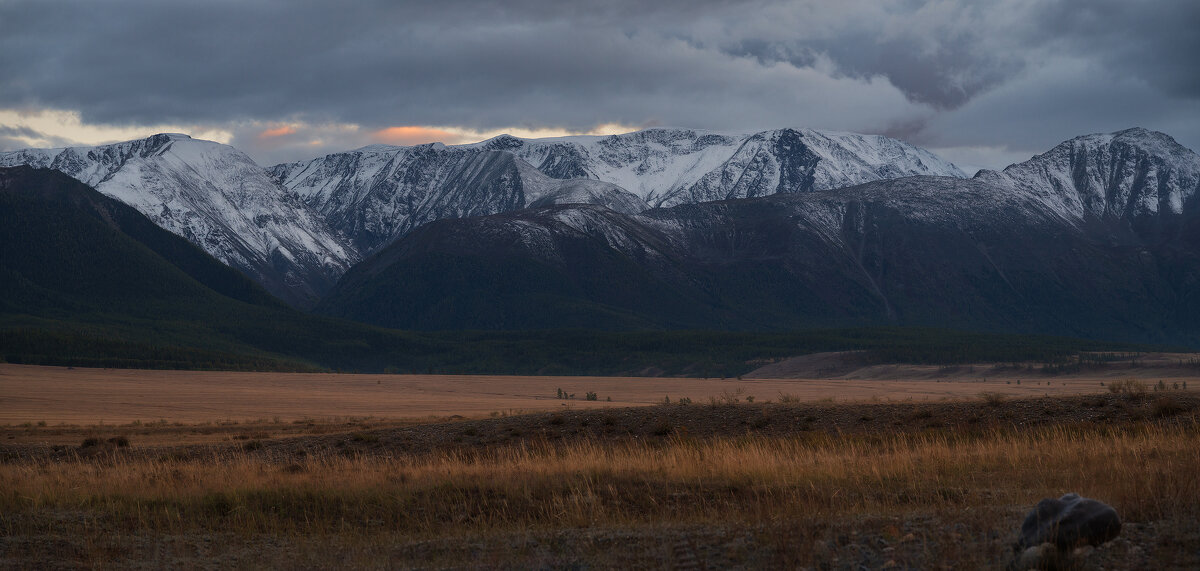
x=933, y=468
x=58, y=395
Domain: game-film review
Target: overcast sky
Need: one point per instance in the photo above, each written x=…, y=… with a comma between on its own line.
x=982, y=83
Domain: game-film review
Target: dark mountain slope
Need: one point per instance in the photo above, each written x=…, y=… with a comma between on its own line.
x=217, y=198
x=85, y=279
x=64, y=241
x=931, y=251
x=525, y=270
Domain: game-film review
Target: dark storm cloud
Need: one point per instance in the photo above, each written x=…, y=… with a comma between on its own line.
x=943, y=72
x=1155, y=41
x=21, y=132
x=929, y=71
x=945, y=53
x=483, y=63
x=8, y=143
x=18, y=137
x=483, y=66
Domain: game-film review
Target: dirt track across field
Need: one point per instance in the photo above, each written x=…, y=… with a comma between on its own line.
x=87, y=396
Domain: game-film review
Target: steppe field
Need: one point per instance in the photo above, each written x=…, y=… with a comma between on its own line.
x=816, y=462
x=64, y=395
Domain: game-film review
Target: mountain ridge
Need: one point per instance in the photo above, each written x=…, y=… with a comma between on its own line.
x=1126, y=174
x=216, y=197
x=378, y=193
x=35, y=192
x=983, y=253
x=296, y=228
x=1132, y=189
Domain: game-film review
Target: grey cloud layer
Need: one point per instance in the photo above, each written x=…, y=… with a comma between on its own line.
x=939, y=73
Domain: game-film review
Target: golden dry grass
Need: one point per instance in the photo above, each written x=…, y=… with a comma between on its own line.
x=1151, y=472
x=1148, y=472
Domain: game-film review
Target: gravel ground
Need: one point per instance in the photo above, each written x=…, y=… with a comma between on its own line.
x=915, y=541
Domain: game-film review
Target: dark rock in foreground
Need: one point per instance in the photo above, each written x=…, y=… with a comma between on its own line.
x=1057, y=526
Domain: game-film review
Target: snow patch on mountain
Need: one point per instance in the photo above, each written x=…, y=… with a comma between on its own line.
x=541, y=190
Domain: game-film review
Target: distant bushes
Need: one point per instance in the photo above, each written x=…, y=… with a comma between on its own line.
x=1167, y=406
x=1129, y=387
x=115, y=442
x=993, y=398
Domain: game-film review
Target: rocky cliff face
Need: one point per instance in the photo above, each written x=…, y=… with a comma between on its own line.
x=217, y=198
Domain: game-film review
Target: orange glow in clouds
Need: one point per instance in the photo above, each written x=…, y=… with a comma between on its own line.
x=277, y=132
x=413, y=135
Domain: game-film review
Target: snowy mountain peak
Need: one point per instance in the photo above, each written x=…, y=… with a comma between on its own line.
x=1127, y=175
x=502, y=143
x=218, y=198
x=1154, y=143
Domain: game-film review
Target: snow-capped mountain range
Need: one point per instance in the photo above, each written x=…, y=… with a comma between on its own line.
x=218, y=198
x=666, y=167
x=297, y=227
x=1099, y=237
x=378, y=193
